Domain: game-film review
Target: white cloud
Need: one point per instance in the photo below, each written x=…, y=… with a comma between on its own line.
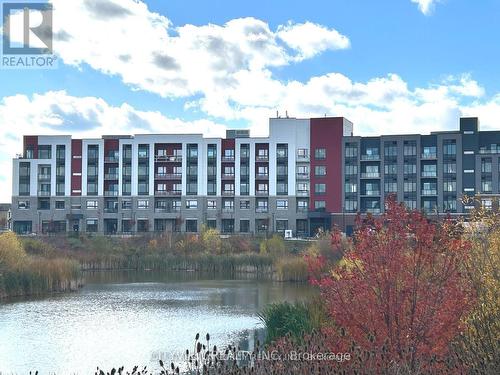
x=426, y=6
x=311, y=39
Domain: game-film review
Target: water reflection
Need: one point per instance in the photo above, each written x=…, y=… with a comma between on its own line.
x=127, y=318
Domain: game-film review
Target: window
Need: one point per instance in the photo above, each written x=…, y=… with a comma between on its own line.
x=450, y=168
x=212, y=151
x=244, y=204
x=228, y=205
x=282, y=171
x=320, y=170
x=92, y=225
x=59, y=205
x=143, y=151
x=429, y=170
x=262, y=171
x=212, y=223
x=191, y=225
x=411, y=204
x=281, y=225
x=302, y=188
x=320, y=188
x=229, y=188
x=351, y=187
x=44, y=152
x=449, y=186
x=262, y=188
x=282, y=188
x=261, y=205
x=282, y=204
x=92, y=205
x=450, y=205
x=302, y=153
x=320, y=153
x=192, y=204
x=244, y=226
x=229, y=171
x=449, y=147
x=23, y=205
x=319, y=205
x=229, y=153
x=244, y=188
x=211, y=204
x=409, y=187
x=390, y=149
x=91, y=188
x=142, y=203
x=351, y=205
x=76, y=206
x=487, y=204
x=390, y=187
x=302, y=205
x=126, y=204
x=245, y=151
x=143, y=188
x=351, y=170
x=351, y=151
x=486, y=165
x=486, y=186
x=428, y=152
x=390, y=169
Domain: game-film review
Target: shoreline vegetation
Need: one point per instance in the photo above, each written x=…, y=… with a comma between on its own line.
x=48, y=264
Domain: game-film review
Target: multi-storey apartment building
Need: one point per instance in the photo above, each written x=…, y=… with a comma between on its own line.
x=167, y=182
x=307, y=174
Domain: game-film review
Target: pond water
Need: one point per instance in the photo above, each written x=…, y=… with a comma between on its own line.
x=133, y=318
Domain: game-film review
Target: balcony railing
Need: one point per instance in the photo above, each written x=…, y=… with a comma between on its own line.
x=262, y=192
x=227, y=209
x=370, y=157
x=228, y=192
x=111, y=193
x=111, y=159
x=302, y=193
x=110, y=210
x=228, y=158
x=111, y=176
x=44, y=177
x=168, y=210
x=44, y=193
x=262, y=158
x=302, y=209
x=429, y=192
x=168, y=193
x=429, y=174
x=228, y=176
x=168, y=176
x=429, y=156
x=302, y=157
x=261, y=209
x=302, y=176
x=370, y=175
x=372, y=210
x=262, y=176
x=371, y=193
x=169, y=158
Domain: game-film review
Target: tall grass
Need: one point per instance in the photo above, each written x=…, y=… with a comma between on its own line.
x=291, y=269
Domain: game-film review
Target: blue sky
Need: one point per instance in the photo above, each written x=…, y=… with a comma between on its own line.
x=127, y=66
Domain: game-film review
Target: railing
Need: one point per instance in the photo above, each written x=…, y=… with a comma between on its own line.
x=302, y=193
x=302, y=209
x=44, y=177
x=227, y=209
x=489, y=151
x=111, y=159
x=372, y=210
x=429, y=192
x=262, y=175
x=370, y=175
x=169, y=158
x=168, y=176
x=370, y=157
x=111, y=193
x=372, y=193
x=167, y=210
x=168, y=193
x=261, y=209
x=228, y=176
x=429, y=156
x=111, y=176
x=262, y=192
x=302, y=176
x=302, y=157
x=44, y=193
x=429, y=174
x=262, y=158
x=228, y=192
x=228, y=158
x=110, y=210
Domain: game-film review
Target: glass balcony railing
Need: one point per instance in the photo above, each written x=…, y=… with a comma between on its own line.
x=370, y=175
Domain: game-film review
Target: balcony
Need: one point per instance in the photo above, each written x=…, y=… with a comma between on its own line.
x=111, y=176
x=429, y=192
x=302, y=158
x=302, y=209
x=111, y=159
x=370, y=175
x=262, y=158
x=228, y=176
x=111, y=210
x=370, y=157
x=168, y=176
x=429, y=174
x=372, y=210
x=168, y=158
x=261, y=209
x=262, y=176
x=262, y=192
x=111, y=193
x=167, y=210
x=302, y=193
x=372, y=193
x=44, y=193
x=302, y=176
x=428, y=156
x=282, y=159
x=228, y=192
x=44, y=177
x=171, y=193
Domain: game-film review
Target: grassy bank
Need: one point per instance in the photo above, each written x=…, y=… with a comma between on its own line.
x=271, y=258
x=23, y=274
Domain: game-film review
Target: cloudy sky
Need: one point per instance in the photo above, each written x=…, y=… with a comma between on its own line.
x=131, y=66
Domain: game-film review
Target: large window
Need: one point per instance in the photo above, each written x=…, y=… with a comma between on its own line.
x=320, y=153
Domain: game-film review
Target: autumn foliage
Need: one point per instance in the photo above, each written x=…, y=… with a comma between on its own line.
x=399, y=292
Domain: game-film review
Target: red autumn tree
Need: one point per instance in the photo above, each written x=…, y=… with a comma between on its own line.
x=399, y=293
